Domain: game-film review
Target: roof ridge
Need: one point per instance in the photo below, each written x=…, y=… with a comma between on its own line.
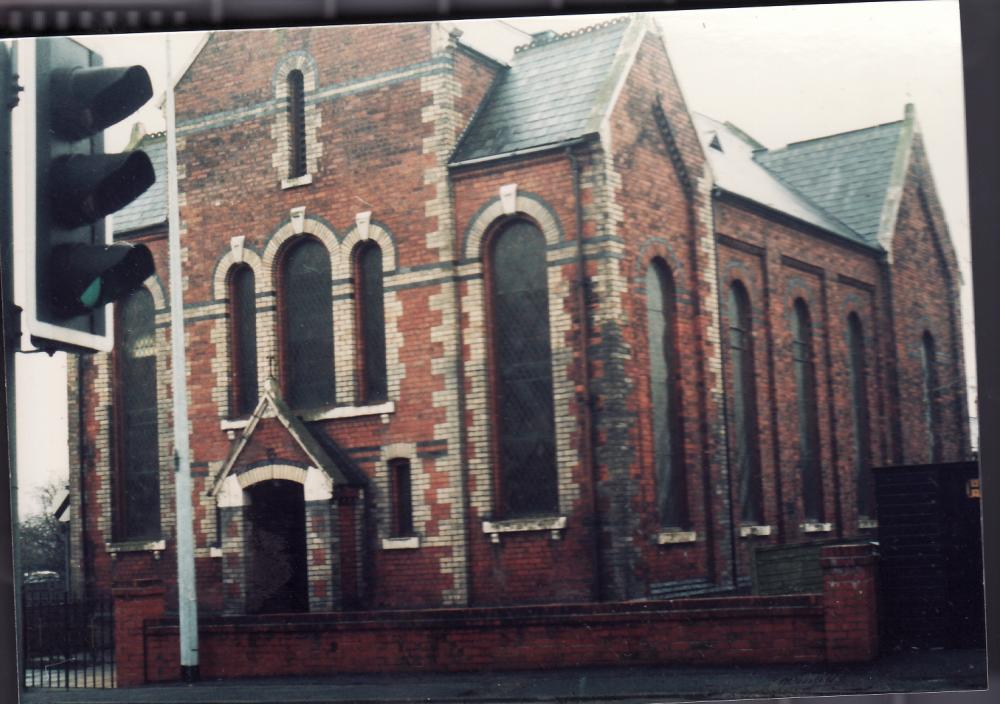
x=546, y=37
x=831, y=136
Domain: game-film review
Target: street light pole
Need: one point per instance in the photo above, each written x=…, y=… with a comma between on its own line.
x=186, y=587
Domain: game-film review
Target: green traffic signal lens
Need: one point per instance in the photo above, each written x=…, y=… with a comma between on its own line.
x=92, y=294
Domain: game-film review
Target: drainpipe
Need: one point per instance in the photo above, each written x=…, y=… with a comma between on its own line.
x=589, y=444
x=727, y=464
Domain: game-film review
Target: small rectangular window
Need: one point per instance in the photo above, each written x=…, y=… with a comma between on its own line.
x=402, y=502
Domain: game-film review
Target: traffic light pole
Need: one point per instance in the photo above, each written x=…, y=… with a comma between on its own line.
x=186, y=588
x=9, y=552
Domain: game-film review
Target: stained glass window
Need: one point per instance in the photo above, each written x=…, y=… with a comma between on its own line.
x=307, y=333
x=138, y=478
x=243, y=311
x=805, y=387
x=371, y=324
x=746, y=451
x=522, y=358
x=664, y=373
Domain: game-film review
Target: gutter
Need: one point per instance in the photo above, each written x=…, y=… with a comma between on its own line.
x=815, y=230
x=563, y=144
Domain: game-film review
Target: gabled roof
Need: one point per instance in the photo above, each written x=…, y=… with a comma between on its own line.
x=336, y=464
x=550, y=93
x=847, y=174
x=149, y=209
x=730, y=154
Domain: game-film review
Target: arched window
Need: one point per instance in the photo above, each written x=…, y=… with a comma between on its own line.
x=805, y=388
x=137, y=475
x=746, y=453
x=664, y=375
x=932, y=409
x=859, y=411
x=297, y=124
x=371, y=324
x=243, y=340
x=307, y=329
x=524, y=423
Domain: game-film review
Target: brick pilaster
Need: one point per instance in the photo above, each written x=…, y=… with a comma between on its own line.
x=849, y=602
x=133, y=606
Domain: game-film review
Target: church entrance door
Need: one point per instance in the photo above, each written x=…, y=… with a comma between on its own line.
x=277, y=574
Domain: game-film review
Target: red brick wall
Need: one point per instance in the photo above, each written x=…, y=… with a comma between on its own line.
x=659, y=219
x=925, y=285
x=529, y=567
x=839, y=625
x=767, y=255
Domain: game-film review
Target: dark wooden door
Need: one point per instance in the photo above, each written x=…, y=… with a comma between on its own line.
x=277, y=579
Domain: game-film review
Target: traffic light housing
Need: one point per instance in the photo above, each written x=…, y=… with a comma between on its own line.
x=75, y=269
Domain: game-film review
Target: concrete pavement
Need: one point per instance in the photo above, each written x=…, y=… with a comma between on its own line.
x=912, y=671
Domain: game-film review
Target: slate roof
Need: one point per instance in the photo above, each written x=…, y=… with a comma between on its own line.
x=547, y=94
x=735, y=170
x=150, y=208
x=846, y=174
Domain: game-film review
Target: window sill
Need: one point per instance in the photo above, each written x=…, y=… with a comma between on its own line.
x=409, y=543
x=867, y=523
x=554, y=524
x=215, y=551
x=303, y=180
x=754, y=531
x=334, y=412
x=816, y=527
x=234, y=423
x=154, y=546
x=674, y=537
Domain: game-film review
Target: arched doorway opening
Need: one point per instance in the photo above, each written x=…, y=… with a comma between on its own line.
x=277, y=573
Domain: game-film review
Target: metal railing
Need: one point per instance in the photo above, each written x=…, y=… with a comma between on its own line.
x=67, y=642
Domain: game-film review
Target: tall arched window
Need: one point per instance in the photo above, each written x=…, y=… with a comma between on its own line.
x=296, y=124
x=243, y=340
x=859, y=412
x=746, y=452
x=932, y=409
x=307, y=330
x=523, y=415
x=805, y=387
x=664, y=376
x=137, y=475
x=371, y=324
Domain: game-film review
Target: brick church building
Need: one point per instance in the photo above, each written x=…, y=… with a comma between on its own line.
x=462, y=332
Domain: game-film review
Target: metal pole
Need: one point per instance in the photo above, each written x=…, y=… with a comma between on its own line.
x=10, y=558
x=186, y=589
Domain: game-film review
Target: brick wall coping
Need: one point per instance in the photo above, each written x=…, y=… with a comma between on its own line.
x=673, y=609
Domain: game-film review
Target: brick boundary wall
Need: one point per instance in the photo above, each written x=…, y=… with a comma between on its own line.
x=839, y=625
x=134, y=606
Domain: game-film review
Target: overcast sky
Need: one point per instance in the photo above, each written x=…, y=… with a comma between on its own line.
x=782, y=74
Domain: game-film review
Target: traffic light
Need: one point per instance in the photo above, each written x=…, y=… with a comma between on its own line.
x=75, y=269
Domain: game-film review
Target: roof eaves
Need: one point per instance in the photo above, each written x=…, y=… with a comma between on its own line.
x=812, y=227
x=572, y=141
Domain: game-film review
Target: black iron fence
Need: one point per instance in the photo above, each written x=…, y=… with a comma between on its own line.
x=68, y=642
